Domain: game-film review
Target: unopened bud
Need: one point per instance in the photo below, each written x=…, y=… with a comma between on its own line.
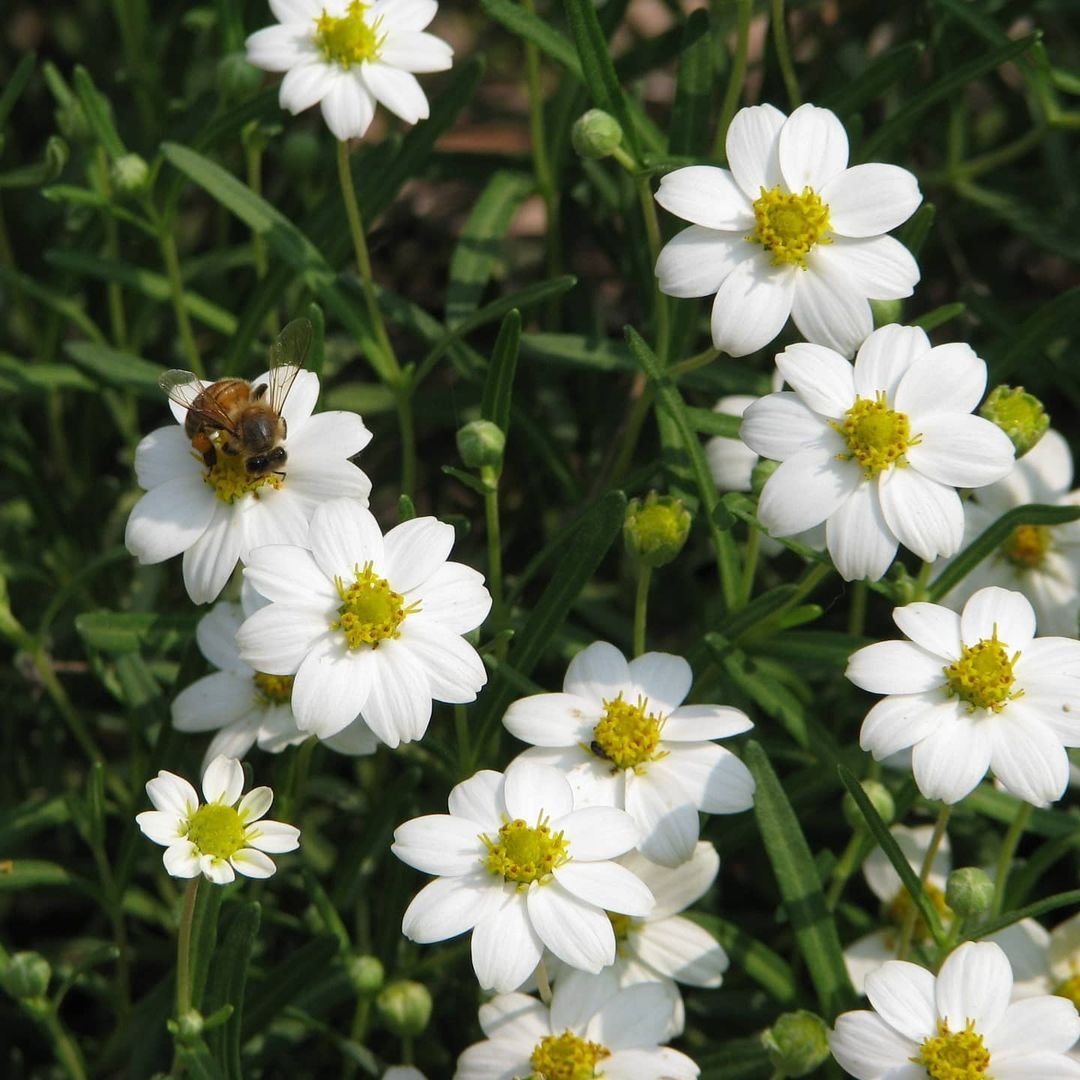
x=969, y=891
x=26, y=976
x=886, y=311
x=405, y=1007
x=237, y=80
x=797, y=1043
x=1019, y=414
x=656, y=529
x=879, y=796
x=596, y=134
x=481, y=443
x=366, y=974
x=130, y=174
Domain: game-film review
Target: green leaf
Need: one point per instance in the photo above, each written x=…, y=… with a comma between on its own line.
x=539, y=32
x=204, y=927
x=797, y=876
x=1032, y=911
x=736, y=1059
x=992, y=538
x=58, y=302
x=117, y=368
x=282, y=984
x=34, y=377
x=120, y=632
x=690, y=114
x=887, y=70
x=480, y=244
x=709, y=422
x=226, y=985
x=35, y=874
x=768, y=969
x=98, y=113
x=474, y=483
x=43, y=172
x=987, y=801
x=913, y=233
x=19, y=823
x=1056, y=318
x=578, y=350
x=499, y=385
x=16, y=84
x=939, y=316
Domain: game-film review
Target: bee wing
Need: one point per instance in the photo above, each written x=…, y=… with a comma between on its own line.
x=185, y=387
x=287, y=357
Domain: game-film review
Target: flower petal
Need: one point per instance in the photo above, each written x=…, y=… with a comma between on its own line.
x=931, y=626
x=885, y=357
x=397, y=707
x=925, y=516
x=751, y=148
x=453, y=668
x=598, y=832
x=210, y=561
x=276, y=837
x=700, y=723
x=961, y=450
x=169, y=518
x=895, y=667
x=577, y=932
x=607, y=885
x=822, y=378
x=696, y=261
x=279, y=48
x=829, y=306
x=213, y=702
x=455, y=595
x=396, y=90
x=752, y=305
x=255, y=803
x=813, y=148
x=1029, y=760
x=345, y=535
x=449, y=906
x=444, y=844
x=348, y=108
x=861, y=545
x=1045, y=1023
x=667, y=818
x=420, y=53
x=879, y=266
x=682, y=950
x=552, y=719
x=807, y=489
x=869, y=199
x=305, y=85
x=505, y=944
x=1004, y=612
x=867, y=1048
x=597, y=673
x=223, y=781
x=663, y=679
x=532, y=791
x=414, y=551
x=780, y=426
x=706, y=196
x=974, y=985
x=278, y=638
x=900, y=721
x=332, y=685
x=950, y=761
x=252, y=863
x=903, y=996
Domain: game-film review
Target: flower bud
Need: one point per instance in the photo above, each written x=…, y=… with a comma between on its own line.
x=886, y=311
x=300, y=152
x=797, y=1043
x=969, y=891
x=596, y=134
x=130, y=174
x=1019, y=414
x=656, y=530
x=72, y=123
x=26, y=976
x=237, y=80
x=366, y=974
x=881, y=798
x=481, y=444
x=405, y=1007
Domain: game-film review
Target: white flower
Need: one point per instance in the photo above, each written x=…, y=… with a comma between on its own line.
x=215, y=516
x=959, y=1023
x=620, y=1040
x=662, y=947
x=1046, y=962
x=367, y=623
x=623, y=738
x=1041, y=561
x=243, y=705
x=790, y=230
x=403, y=1072
x=973, y=692
x=349, y=55
x=876, y=449
x=226, y=836
x=731, y=461
x=521, y=867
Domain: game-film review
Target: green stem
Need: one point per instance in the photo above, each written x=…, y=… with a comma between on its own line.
x=750, y=560
x=253, y=156
x=692, y=363
x=783, y=54
x=67, y=1053
x=846, y=865
x=641, y=402
x=660, y=301
x=857, y=614
x=736, y=76
x=908, y=928
x=167, y=242
x=641, y=603
x=922, y=581
x=463, y=740
x=301, y=764
x=183, y=949
x=1005, y=856
x=494, y=553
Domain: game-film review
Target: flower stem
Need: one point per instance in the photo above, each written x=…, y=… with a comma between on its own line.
x=750, y=559
x=167, y=242
x=66, y=1051
x=783, y=54
x=641, y=603
x=183, y=949
x=857, y=614
x=494, y=553
x=908, y=929
x=1005, y=856
x=736, y=76
x=692, y=363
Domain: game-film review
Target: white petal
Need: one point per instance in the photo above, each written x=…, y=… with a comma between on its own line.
x=949, y=378
x=903, y=996
x=411, y=50
x=676, y=888
x=822, y=378
x=925, y=516
x=752, y=305
x=255, y=804
x=456, y=596
x=866, y=200
x=751, y=148
x=895, y=667
x=950, y=761
x=414, y=551
x=214, y=701
x=598, y=832
x=348, y=108
x=453, y=668
x=331, y=686
x=480, y=798
x=885, y=357
x=897, y=722
x=961, y=450
x=296, y=11
x=859, y=541
x=169, y=518
x=598, y=673
x=276, y=837
x=278, y=638
x=356, y=740
x=279, y=48
x=223, y=781
x=868, y=1049
x=552, y=719
x=780, y=426
x=172, y=794
x=182, y=860
x=219, y=871
x=731, y=463
x=635, y=1017
x=345, y=536
x=699, y=723
x=505, y=945
x=829, y=306
x=216, y=637
x=807, y=489
x=668, y=819
x=931, y=626
x=440, y=844
x=447, y=907
x=813, y=148
x=396, y=90
x=397, y=706
x=404, y=14
x=306, y=85
x=630, y=1064
x=682, y=950
x=533, y=790
x=1008, y=613
x=1029, y=760
x=706, y=196
x=162, y=828
x=709, y=776
x=577, y=932
x=213, y=557
x=252, y=863
x=974, y=984
x=607, y=885
x=696, y=261
x=1045, y=1023
x=515, y=1016
x=663, y=679
x=879, y=266
x=165, y=454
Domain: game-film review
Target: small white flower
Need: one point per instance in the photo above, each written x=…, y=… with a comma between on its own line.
x=245, y=706
x=877, y=449
x=789, y=230
x=731, y=461
x=620, y=1039
x=213, y=518
x=662, y=947
x=1041, y=561
x=367, y=623
x=349, y=56
x=622, y=736
x=923, y=1026
x=522, y=868
x=973, y=692
x=226, y=836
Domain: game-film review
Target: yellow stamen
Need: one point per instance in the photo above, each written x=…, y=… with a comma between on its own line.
x=567, y=1057
x=370, y=610
x=350, y=39
x=983, y=676
x=525, y=853
x=959, y=1055
x=627, y=735
x=789, y=225
x=877, y=437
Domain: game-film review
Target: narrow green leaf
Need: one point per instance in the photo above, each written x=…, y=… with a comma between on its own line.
x=709, y=422
x=35, y=873
x=827, y=648
x=537, y=31
x=913, y=233
x=42, y=172
x=98, y=113
x=117, y=368
x=767, y=968
x=887, y=70
x=991, y=539
x=989, y=802
x=226, y=985
x=204, y=927
x=478, y=248
x=120, y=632
x=317, y=354
x=34, y=377
x=1057, y=318
x=769, y=694
x=282, y=984
x=797, y=876
x=474, y=483
x=58, y=302
x=939, y=316
x=736, y=1059
x=1032, y=911
x=78, y=196
x=22, y=822
x=690, y=114
x=16, y=84
x=578, y=350
x=195, y=1061
x=499, y=385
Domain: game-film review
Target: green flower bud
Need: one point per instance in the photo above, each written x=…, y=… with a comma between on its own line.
x=130, y=174
x=187, y=1028
x=881, y=798
x=596, y=134
x=886, y=311
x=366, y=974
x=237, y=80
x=405, y=1007
x=481, y=444
x=1019, y=414
x=72, y=122
x=762, y=470
x=969, y=891
x=301, y=152
x=797, y=1043
x=26, y=976
x=656, y=530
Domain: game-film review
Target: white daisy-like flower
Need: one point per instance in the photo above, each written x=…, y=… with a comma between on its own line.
x=619, y=1040
x=523, y=868
x=971, y=692
x=1041, y=561
x=663, y=946
x=348, y=56
x=1047, y=962
x=789, y=230
x=243, y=706
x=876, y=449
x=221, y=838
x=731, y=462
x=216, y=515
x=956, y=1024
x=368, y=624
x=621, y=735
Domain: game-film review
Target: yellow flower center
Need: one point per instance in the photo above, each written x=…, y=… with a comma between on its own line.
x=621, y=924
x=949, y=1055
x=901, y=905
x=1070, y=989
x=216, y=830
x=627, y=735
x=566, y=1057
x=789, y=225
x=1028, y=545
x=370, y=610
x=231, y=481
x=983, y=676
x=525, y=853
x=350, y=39
x=877, y=436
x=273, y=689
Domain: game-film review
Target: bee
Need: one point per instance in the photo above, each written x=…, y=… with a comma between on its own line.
x=240, y=419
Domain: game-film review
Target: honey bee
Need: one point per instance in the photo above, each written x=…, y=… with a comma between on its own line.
x=238, y=418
